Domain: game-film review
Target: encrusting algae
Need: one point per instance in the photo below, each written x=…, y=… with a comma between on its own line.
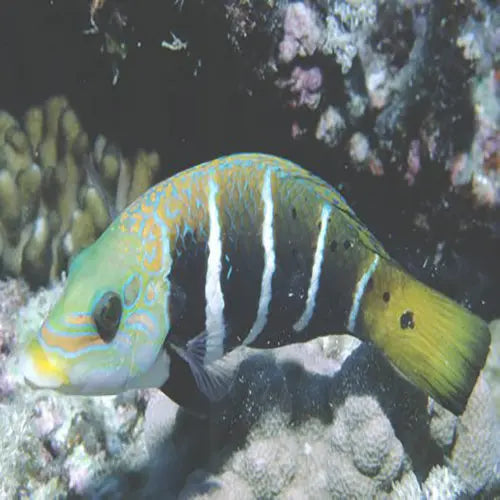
x=247, y=250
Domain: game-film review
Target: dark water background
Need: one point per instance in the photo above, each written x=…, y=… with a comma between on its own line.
x=159, y=104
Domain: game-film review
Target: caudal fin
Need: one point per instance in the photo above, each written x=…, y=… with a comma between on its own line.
x=435, y=343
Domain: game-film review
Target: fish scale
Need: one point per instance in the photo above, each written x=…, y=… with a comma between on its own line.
x=253, y=250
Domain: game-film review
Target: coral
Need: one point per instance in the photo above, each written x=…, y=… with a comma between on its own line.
x=302, y=33
x=267, y=465
x=407, y=487
x=412, y=76
x=442, y=483
x=219, y=487
x=481, y=164
x=305, y=87
x=56, y=195
x=404, y=88
x=13, y=294
x=442, y=426
x=339, y=445
x=331, y=127
x=372, y=443
x=56, y=444
x=474, y=434
x=320, y=459
x=159, y=418
x=492, y=368
x=346, y=28
x=478, y=438
x=359, y=148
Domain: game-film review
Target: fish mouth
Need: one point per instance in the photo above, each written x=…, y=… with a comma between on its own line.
x=39, y=371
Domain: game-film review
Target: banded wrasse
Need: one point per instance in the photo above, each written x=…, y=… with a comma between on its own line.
x=248, y=250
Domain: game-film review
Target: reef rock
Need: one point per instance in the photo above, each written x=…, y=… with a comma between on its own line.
x=413, y=75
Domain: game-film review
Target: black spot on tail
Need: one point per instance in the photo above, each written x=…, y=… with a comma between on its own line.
x=406, y=320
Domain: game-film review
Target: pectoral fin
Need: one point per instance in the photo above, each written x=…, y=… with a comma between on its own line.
x=213, y=379
x=193, y=384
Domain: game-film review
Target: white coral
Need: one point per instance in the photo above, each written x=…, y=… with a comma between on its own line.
x=345, y=30
x=442, y=483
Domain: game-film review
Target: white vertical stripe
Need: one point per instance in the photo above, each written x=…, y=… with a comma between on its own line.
x=269, y=261
x=358, y=294
x=214, y=309
x=303, y=321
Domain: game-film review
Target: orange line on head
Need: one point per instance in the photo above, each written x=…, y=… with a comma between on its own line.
x=80, y=319
x=70, y=344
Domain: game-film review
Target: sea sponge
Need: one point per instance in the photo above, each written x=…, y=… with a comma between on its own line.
x=57, y=194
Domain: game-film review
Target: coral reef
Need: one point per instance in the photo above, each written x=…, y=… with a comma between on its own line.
x=412, y=75
x=406, y=90
x=13, y=294
x=484, y=151
x=492, y=369
x=56, y=193
x=325, y=419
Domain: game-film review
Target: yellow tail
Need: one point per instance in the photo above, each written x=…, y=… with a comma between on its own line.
x=434, y=342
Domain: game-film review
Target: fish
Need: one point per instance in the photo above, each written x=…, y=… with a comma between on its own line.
x=244, y=250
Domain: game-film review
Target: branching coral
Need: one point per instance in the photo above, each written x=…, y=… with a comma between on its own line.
x=56, y=193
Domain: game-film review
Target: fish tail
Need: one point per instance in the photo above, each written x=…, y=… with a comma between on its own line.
x=434, y=342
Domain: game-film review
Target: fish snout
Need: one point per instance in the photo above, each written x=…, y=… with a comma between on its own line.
x=41, y=370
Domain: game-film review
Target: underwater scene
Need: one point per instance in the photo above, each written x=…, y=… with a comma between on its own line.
x=249, y=249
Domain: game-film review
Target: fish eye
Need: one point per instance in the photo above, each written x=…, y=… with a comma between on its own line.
x=107, y=315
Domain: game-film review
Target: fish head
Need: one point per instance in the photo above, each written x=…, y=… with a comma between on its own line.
x=105, y=333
